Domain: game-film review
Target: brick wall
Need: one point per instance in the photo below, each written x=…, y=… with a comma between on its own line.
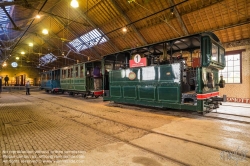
x=238, y=92
x=31, y=73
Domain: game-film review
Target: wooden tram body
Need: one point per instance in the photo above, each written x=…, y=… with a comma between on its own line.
x=78, y=79
x=50, y=81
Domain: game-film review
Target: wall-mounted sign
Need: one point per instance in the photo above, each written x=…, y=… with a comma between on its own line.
x=138, y=61
x=14, y=64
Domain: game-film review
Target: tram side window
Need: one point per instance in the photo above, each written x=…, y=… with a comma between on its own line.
x=63, y=73
x=43, y=77
x=49, y=76
x=119, y=65
x=52, y=75
x=55, y=76
x=76, y=72
x=81, y=71
x=215, y=53
x=69, y=73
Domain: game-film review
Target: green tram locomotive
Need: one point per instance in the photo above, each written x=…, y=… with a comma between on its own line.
x=181, y=73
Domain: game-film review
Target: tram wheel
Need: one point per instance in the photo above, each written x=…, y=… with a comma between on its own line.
x=96, y=96
x=84, y=95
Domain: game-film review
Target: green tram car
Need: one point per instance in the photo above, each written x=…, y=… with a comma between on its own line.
x=181, y=73
x=78, y=79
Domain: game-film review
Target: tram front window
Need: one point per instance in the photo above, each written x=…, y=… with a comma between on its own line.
x=215, y=53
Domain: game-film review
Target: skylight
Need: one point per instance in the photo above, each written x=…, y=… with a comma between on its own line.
x=88, y=40
x=46, y=59
x=4, y=20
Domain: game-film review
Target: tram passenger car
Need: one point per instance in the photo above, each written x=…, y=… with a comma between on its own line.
x=181, y=73
x=50, y=81
x=79, y=79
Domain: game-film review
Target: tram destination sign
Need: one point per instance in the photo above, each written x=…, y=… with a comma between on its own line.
x=137, y=61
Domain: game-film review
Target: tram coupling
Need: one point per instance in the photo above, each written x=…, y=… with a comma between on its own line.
x=216, y=101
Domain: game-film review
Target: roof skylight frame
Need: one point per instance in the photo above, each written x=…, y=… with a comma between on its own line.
x=88, y=40
x=46, y=59
x=4, y=20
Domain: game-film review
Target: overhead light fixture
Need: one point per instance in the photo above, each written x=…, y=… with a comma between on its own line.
x=130, y=1
x=14, y=64
x=4, y=64
x=124, y=29
x=31, y=44
x=38, y=16
x=172, y=10
x=74, y=4
x=45, y=31
x=17, y=58
x=22, y=52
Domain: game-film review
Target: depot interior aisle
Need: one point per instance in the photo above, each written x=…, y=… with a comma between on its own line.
x=46, y=129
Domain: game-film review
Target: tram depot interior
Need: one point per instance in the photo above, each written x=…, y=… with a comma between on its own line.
x=38, y=36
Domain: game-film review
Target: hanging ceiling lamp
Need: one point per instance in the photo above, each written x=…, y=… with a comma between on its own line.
x=74, y=3
x=45, y=31
x=4, y=64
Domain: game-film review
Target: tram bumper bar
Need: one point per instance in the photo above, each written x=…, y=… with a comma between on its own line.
x=222, y=99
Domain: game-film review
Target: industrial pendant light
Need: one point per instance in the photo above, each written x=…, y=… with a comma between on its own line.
x=74, y=3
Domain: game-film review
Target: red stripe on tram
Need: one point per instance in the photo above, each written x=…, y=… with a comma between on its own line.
x=207, y=95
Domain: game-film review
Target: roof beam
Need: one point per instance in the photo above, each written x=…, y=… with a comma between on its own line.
x=179, y=18
x=39, y=10
x=24, y=19
x=115, y=4
x=183, y=13
x=6, y=34
x=19, y=2
x=27, y=28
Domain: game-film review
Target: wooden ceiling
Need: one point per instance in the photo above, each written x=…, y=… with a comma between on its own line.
x=147, y=22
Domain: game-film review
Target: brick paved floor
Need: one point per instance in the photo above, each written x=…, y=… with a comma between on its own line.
x=45, y=129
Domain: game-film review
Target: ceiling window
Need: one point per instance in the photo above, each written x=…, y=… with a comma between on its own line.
x=232, y=73
x=4, y=20
x=88, y=40
x=46, y=59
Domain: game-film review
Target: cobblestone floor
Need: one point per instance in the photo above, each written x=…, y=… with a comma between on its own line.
x=46, y=129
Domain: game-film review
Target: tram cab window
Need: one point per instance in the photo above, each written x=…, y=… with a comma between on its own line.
x=222, y=56
x=215, y=53
x=89, y=71
x=119, y=66
x=195, y=60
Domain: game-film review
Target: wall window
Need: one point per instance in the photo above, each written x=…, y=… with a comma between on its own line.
x=232, y=71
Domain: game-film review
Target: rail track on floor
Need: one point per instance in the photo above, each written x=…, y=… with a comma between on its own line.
x=138, y=128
